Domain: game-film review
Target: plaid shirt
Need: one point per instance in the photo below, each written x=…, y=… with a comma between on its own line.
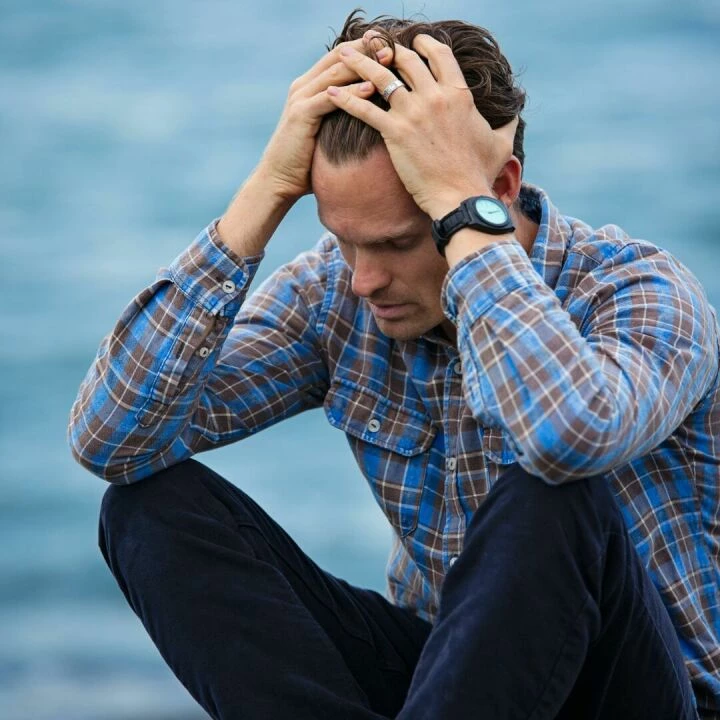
x=596, y=354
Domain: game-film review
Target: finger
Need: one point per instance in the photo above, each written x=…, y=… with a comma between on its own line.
x=413, y=69
x=327, y=61
x=377, y=46
x=375, y=43
x=332, y=57
x=337, y=74
x=322, y=103
x=362, y=109
x=370, y=70
x=443, y=64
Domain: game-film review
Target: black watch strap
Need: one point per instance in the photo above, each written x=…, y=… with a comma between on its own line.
x=472, y=213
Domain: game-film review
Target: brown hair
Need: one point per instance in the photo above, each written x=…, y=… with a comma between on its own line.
x=487, y=72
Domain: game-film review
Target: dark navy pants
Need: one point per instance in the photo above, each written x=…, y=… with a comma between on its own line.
x=548, y=612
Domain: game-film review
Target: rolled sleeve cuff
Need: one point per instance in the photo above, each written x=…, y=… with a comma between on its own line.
x=211, y=274
x=481, y=279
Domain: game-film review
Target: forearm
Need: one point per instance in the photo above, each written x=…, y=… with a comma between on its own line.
x=133, y=411
x=577, y=402
x=149, y=398
x=253, y=215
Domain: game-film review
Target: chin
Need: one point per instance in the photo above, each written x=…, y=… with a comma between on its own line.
x=403, y=330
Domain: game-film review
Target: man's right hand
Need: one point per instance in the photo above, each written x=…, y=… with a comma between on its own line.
x=283, y=174
x=287, y=157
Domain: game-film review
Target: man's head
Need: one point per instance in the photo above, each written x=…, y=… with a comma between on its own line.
x=487, y=72
x=383, y=234
x=385, y=239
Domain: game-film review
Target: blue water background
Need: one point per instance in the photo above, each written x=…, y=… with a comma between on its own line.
x=125, y=127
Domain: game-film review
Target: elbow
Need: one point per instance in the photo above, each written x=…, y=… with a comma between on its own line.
x=91, y=453
x=557, y=467
x=91, y=462
x=110, y=456
x=87, y=463
x=586, y=445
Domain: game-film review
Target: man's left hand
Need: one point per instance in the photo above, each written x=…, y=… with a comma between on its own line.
x=442, y=148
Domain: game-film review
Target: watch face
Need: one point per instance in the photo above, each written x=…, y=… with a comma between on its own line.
x=491, y=211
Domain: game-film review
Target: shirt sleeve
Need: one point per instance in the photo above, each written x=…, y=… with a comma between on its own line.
x=192, y=364
x=593, y=382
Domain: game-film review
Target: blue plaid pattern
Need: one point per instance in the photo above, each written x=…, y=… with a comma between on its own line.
x=596, y=354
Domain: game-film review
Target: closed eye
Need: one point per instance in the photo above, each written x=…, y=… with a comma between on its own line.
x=399, y=243
x=404, y=243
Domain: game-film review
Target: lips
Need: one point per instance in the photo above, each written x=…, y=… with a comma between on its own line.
x=390, y=312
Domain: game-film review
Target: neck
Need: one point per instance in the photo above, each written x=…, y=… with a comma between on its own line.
x=525, y=229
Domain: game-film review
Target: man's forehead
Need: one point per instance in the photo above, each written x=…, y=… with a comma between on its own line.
x=364, y=201
x=366, y=219
x=376, y=164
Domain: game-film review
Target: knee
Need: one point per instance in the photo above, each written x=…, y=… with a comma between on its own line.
x=153, y=511
x=527, y=491
x=144, y=513
x=121, y=502
x=585, y=506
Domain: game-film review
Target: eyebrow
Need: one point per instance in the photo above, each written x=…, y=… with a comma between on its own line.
x=403, y=234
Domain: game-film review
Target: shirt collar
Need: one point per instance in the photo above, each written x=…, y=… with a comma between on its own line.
x=554, y=234
x=547, y=254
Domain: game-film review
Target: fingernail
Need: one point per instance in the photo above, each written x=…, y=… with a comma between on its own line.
x=332, y=90
x=366, y=86
x=380, y=54
x=347, y=51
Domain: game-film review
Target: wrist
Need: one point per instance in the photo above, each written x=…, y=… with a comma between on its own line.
x=253, y=216
x=468, y=241
x=475, y=222
x=440, y=205
x=273, y=187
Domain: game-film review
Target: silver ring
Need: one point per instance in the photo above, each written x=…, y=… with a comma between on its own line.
x=391, y=88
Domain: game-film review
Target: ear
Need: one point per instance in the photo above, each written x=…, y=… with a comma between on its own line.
x=507, y=184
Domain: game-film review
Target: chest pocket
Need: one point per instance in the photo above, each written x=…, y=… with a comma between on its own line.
x=390, y=444
x=496, y=446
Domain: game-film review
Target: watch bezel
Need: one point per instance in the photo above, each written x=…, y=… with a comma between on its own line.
x=495, y=203
x=468, y=215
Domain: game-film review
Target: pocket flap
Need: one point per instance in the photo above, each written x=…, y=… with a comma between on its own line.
x=497, y=446
x=368, y=416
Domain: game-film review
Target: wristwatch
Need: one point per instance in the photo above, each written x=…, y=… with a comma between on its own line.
x=481, y=212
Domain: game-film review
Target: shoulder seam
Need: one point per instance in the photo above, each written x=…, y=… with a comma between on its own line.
x=630, y=243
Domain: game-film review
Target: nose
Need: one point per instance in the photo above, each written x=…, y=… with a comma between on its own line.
x=369, y=274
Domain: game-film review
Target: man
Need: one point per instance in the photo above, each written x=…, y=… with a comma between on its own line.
x=535, y=404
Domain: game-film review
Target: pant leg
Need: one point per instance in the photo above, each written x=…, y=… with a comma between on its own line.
x=549, y=613
x=246, y=621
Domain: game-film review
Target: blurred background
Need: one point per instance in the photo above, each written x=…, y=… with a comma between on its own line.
x=125, y=127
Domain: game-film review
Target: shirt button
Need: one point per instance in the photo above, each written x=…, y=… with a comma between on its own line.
x=228, y=286
x=453, y=560
x=203, y=352
x=457, y=367
x=374, y=425
x=451, y=463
